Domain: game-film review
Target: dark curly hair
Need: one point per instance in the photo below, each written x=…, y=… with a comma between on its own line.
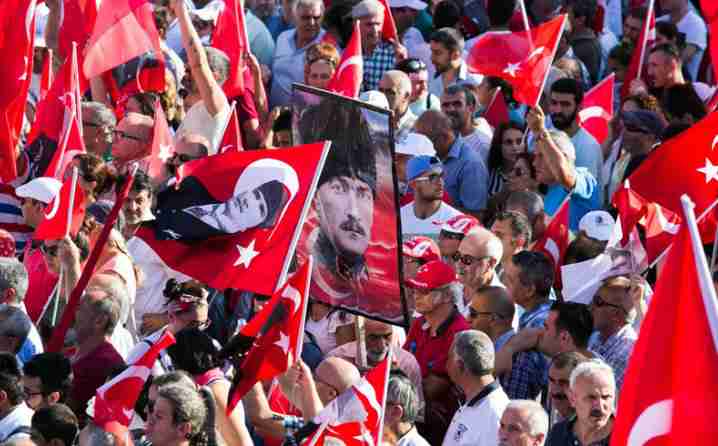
x=194, y=352
x=174, y=289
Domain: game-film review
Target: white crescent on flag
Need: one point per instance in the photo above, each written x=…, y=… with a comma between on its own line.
x=54, y=209
x=354, y=60
x=552, y=249
x=715, y=141
x=593, y=112
x=536, y=52
x=292, y=294
x=653, y=422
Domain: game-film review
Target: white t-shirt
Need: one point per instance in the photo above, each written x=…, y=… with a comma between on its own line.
x=431, y=226
x=478, y=424
x=198, y=120
x=480, y=139
x=325, y=329
x=21, y=415
x=696, y=34
x=412, y=438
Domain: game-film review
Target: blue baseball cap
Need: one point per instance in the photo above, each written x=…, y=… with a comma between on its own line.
x=419, y=165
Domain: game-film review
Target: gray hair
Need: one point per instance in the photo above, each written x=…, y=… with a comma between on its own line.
x=403, y=78
x=401, y=391
x=536, y=417
x=308, y=4
x=476, y=351
x=108, y=306
x=456, y=291
x=591, y=368
x=564, y=144
x=14, y=323
x=115, y=287
x=218, y=62
x=100, y=112
x=455, y=89
x=187, y=406
x=13, y=275
x=176, y=378
x=97, y=436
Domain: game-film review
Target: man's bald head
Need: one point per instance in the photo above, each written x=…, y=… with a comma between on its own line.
x=133, y=138
x=192, y=144
x=142, y=123
x=335, y=376
x=480, y=242
x=435, y=125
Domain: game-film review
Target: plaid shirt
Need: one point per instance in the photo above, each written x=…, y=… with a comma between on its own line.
x=380, y=61
x=528, y=376
x=615, y=350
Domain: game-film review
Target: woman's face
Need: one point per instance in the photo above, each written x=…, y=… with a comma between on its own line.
x=512, y=145
x=419, y=85
x=320, y=72
x=483, y=93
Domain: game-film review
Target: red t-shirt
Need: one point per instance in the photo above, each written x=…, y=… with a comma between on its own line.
x=42, y=282
x=89, y=373
x=432, y=352
x=246, y=111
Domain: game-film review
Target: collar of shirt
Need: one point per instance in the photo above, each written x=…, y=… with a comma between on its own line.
x=503, y=339
x=444, y=325
x=530, y=316
x=626, y=332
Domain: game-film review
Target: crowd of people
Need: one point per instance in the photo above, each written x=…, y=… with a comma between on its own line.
x=494, y=355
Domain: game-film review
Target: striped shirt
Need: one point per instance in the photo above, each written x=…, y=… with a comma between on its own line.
x=11, y=218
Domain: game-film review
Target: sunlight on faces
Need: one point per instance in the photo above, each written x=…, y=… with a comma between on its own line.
x=514, y=429
x=160, y=428
x=370, y=28
x=320, y=73
x=440, y=57
x=594, y=398
x=563, y=110
x=456, y=108
x=136, y=206
x=379, y=336
x=308, y=20
x=512, y=145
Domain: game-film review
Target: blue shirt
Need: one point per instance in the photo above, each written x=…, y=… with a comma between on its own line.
x=585, y=197
x=261, y=42
x=288, y=66
x=466, y=177
x=503, y=339
x=276, y=25
x=588, y=153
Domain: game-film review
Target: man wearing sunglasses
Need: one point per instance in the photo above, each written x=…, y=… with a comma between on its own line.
x=476, y=260
x=452, y=233
x=132, y=139
x=613, y=310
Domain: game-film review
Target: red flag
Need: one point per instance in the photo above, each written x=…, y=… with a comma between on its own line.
x=521, y=58
x=17, y=19
x=230, y=36
x=77, y=20
x=47, y=75
x=555, y=239
x=661, y=226
x=115, y=400
x=162, y=145
x=203, y=232
x=597, y=109
x=640, y=52
x=278, y=331
x=710, y=14
x=348, y=77
x=497, y=112
x=232, y=139
x=678, y=337
x=631, y=208
x=57, y=222
x=124, y=29
x=388, y=31
x=671, y=170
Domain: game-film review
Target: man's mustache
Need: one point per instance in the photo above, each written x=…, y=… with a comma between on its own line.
x=352, y=225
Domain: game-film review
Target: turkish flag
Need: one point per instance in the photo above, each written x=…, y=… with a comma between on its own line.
x=162, y=145
x=497, y=111
x=597, y=109
x=660, y=225
x=685, y=164
x=555, y=240
x=77, y=20
x=115, y=400
x=56, y=222
x=124, y=29
x=17, y=20
x=388, y=31
x=640, y=52
x=631, y=208
x=47, y=75
x=521, y=58
x=230, y=36
x=278, y=331
x=678, y=338
x=348, y=77
x=710, y=14
x=232, y=139
x=234, y=219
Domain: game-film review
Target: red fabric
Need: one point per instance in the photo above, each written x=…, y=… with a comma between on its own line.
x=115, y=400
x=162, y=144
x=671, y=170
x=661, y=226
x=710, y=14
x=230, y=36
x=522, y=59
x=47, y=75
x=41, y=283
x=388, y=31
x=640, y=53
x=277, y=330
x=232, y=139
x=631, y=208
x=497, y=111
x=71, y=144
x=78, y=19
x=89, y=373
x=348, y=77
x=280, y=404
x=431, y=352
x=17, y=21
x=7, y=244
x=124, y=29
x=209, y=377
x=555, y=240
x=54, y=225
x=678, y=336
x=597, y=109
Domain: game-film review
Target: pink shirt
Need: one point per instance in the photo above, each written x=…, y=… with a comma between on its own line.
x=41, y=280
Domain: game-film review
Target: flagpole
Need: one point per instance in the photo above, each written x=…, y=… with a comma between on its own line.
x=389, y=357
x=708, y=292
x=525, y=18
x=553, y=55
x=227, y=122
x=644, y=43
x=318, y=433
x=305, y=306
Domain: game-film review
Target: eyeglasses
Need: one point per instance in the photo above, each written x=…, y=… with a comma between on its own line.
x=598, y=302
x=29, y=393
x=119, y=134
x=50, y=251
x=473, y=314
x=183, y=157
x=467, y=259
x=432, y=178
x=634, y=129
x=451, y=235
x=415, y=65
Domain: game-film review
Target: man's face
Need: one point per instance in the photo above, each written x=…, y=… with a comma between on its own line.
x=563, y=109
x=320, y=73
x=33, y=211
x=606, y=309
x=542, y=167
x=594, y=399
x=474, y=268
x=85, y=320
x=426, y=301
x=398, y=100
x=632, y=29
x=160, y=427
x=370, y=28
x=514, y=429
x=452, y=367
x=346, y=212
x=32, y=386
x=241, y=212
x=419, y=85
x=129, y=143
x=137, y=206
x=429, y=186
x=659, y=69
x=480, y=317
x=378, y=341
x=558, y=388
x=96, y=136
x=448, y=245
x=502, y=230
x=264, y=8
x=635, y=139
x=440, y=57
x=456, y=108
x=551, y=342
x=308, y=21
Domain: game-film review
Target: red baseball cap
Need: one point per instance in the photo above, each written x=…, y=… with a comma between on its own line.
x=460, y=224
x=432, y=275
x=422, y=248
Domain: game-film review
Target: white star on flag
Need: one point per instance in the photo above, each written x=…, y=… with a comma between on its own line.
x=710, y=171
x=165, y=152
x=511, y=69
x=246, y=255
x=283, y=342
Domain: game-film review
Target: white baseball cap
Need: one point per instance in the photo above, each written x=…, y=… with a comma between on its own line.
x=375, y=98
x=413, y=4
x=415, y=144
x=42, y=189
x=210, y=12
x=597, y=225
